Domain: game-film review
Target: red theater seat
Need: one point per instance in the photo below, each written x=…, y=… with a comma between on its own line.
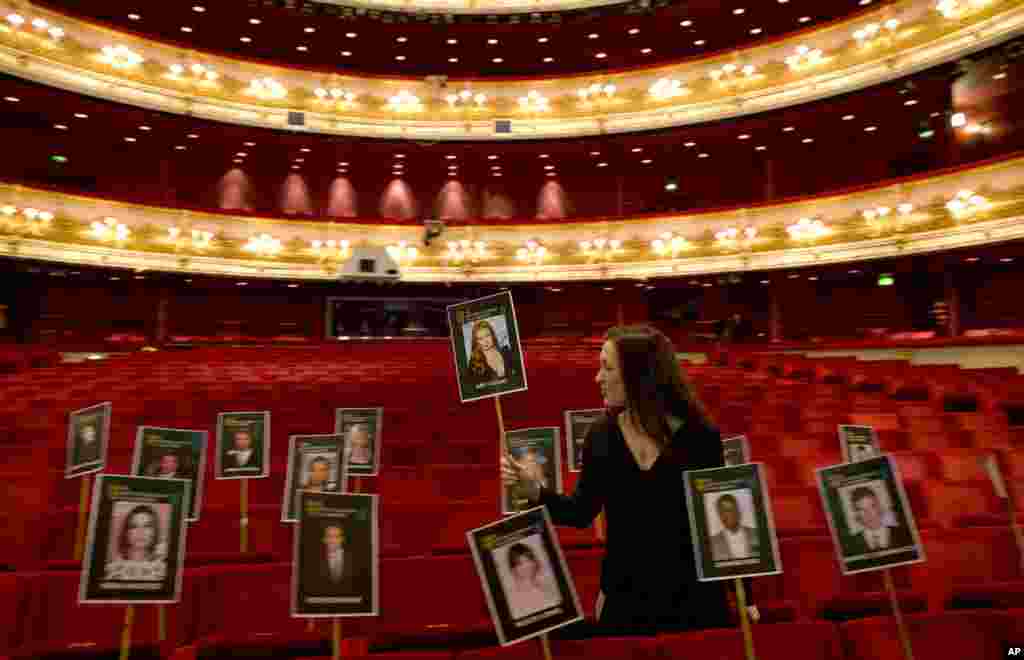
x=610, y=648
x=968, y=634
x=780, y=641
x=15, y=597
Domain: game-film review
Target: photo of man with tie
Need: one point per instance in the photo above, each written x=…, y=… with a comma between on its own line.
x=243, y=453
x=878, y=528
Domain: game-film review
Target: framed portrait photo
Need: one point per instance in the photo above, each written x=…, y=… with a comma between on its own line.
x=858, y=442
x=868, y=515
x=335, y=563
x=523, y=573
x=362, y=430
x=164, y=453
x=135, y=549
x=537, y=450
x=317, y=464
x=88, y=437
x=731, y=522
x=577, y=425
x=736, y=450
x=486, y=348
x=243, y=445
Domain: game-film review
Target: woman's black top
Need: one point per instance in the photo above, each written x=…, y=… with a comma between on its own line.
x=649, y=574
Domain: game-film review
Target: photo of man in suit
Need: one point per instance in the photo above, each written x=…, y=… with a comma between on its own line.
x=337, y=569
x=167, y=465
x=242, y=453
x=735, y=541
x=87, y=443
x=879, y=529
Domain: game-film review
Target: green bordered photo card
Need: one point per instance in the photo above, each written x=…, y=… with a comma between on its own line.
x=316, y=463
x=88, y=439
x=362, y=428
x=135, y=549
x=577, y=425
x=736, y=450
x=868, y=516
x=538, y=451
x=165, y=453
x=523, y=574
x=486, y=348
x=731, y=522
x=243, y=445
x=335, y=561
x=858, y=442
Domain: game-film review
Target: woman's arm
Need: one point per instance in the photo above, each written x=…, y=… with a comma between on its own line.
x=580, y=508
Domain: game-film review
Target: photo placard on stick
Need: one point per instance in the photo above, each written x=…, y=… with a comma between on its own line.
x=335, y=559
x=577, y=424
x=524, y=576
x=486, y=348
x=88, y=437
x=537, y=450
x=858, y=443
x=164, y=453
x=243, y=445
x=316, y=464
x=135, y=550
x=736, y=450
x=869, y=518
x=362, y=430
x=731, y=522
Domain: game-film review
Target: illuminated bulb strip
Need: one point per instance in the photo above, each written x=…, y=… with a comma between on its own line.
x=40, y=25
x=966, y=203
x=733, y=74
x=805, y=57
x=596, y=91
x=601, y=248
x=403, y=253
x=669, y=245
x=194, y=73
x=330, y=249
x=404, y=101
x=465, y=98
x=807, y=229
x=266, y=88
x=197, y=239
x=464, y=250
x=733, y=237
x=264, y=245
x=871, y=31
x=327, y=95
x=120, y=57
x=959, y=8
x=667, y=88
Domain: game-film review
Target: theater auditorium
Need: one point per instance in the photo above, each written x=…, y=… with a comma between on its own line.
x=263, y=211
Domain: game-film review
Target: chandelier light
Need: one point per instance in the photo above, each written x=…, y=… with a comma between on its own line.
x=667, y=88
x=669, y=245
x=805, y=57
x=109, y=230
x=466, y=99
x=601, y=248
x=403, y=253
x=194, y=73
x=40, y=27
x=808, y=229
x=732, y=237
x=534, y=102
x=731, y=74
x=196, y=239
x=534, y=253
x=331, y=249
x=266, y=88
x=966, y=203
x=333, y=95
x=32, y=220
x=404, y=101
x=466, y=251
x=872, y=31
x=959, y=8
x=595, y=92
x=263, y=245
x=120, y=57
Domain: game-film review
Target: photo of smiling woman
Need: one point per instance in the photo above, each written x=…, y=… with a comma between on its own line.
x=139, y=538
x=528, y=585
x=487, y=353
x=489, y=361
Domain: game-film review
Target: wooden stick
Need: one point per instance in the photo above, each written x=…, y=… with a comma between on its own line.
x=126, y=632
x=161, y=623
x=501, y=423
x=243, y=504
x=83, y=511
x=1018, y=535
x=908, y=650
x=336, y=645
x=599, y=527
x=545, y=646
x=741, y=605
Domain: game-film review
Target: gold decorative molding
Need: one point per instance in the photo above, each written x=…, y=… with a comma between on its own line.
x=93, y=60
x=967, y=208
x=474, y=6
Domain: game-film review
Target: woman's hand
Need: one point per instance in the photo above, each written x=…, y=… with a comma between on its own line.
x=514, y=473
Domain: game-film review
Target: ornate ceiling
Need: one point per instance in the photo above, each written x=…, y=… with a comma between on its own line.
x=313, y=35
x=880, y=45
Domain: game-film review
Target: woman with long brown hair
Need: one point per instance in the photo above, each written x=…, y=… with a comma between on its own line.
x=633, y=459
x=488, y=361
